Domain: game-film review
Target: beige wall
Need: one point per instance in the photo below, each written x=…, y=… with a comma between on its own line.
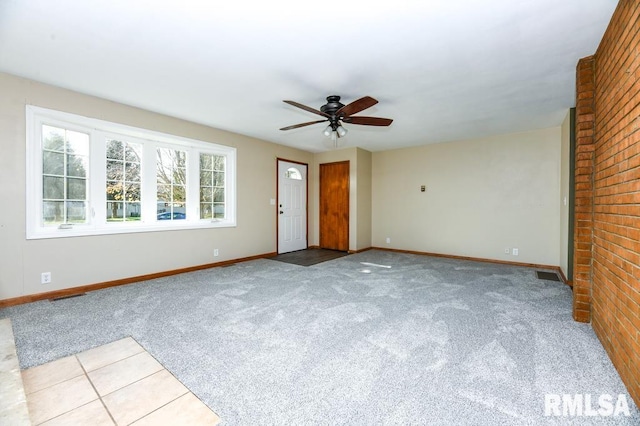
x=364, y=171
x=87, y=260
x=564, y=193
x=482, y=196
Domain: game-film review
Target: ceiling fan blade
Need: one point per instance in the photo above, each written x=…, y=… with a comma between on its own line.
x=356, y=106
x=295, y=126
x=368, y=121
x=306, y=108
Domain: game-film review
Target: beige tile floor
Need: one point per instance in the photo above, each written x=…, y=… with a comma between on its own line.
x=118, y=383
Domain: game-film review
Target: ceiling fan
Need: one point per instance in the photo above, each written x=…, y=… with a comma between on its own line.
x=337, y=113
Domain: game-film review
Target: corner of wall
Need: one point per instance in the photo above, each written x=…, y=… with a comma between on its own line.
x=583, y=199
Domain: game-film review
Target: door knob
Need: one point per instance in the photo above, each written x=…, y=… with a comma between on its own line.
x=281, y=212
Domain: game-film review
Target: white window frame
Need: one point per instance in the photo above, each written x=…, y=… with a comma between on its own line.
x=99, y=131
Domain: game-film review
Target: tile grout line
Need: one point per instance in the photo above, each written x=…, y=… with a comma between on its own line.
x=96, y=391
x=123, y=387
x=86, y=375
x=30, y=394
x=162, y=406
x=111, y=363
x=66, y=412
x=173, y=375
x=134, y=382
x=50, y=386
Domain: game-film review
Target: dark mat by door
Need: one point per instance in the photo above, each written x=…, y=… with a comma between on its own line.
x=309, y=257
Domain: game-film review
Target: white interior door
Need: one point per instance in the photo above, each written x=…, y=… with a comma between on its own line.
x=292, y=206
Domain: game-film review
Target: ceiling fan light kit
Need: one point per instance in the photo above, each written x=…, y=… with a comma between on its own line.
x=337, y=113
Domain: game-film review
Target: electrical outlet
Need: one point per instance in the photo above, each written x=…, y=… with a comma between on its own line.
x=506, y=251
x=215, y=252
x=388, y=240
x=45, y=278
x=514, y=251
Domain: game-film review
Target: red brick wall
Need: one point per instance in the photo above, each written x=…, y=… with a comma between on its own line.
x=583, y=219
x=615, y=251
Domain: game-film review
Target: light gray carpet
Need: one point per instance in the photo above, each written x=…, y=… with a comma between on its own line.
x=423, y=341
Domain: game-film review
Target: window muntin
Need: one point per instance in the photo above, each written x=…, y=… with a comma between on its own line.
x=104, y=178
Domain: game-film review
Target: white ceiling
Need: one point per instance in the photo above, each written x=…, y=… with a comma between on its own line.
x=443, y=70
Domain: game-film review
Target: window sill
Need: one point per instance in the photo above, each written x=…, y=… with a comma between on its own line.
x=110, y=229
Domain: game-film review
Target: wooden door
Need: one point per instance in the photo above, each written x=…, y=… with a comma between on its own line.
x=334, y=206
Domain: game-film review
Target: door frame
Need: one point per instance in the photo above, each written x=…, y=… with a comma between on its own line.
x=306, y=207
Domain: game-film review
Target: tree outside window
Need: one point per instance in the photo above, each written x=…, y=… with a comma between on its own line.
x=123, y=181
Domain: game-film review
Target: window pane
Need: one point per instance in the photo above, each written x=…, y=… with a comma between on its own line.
x=218, y=211
x=114, y=190
x=133, y=152
x=218, y=195
x=164, y=193
x=115, y=212
x=77, y=165
x=205, y=162
x=53, y=188
x=171, y=165
x=180, y=176
x=132, y=171
x=76, y=211
x=293, y=173
x=219, y=162
x=53, y=163
x=76, y=189
x=115, y=170
x=206, y=194
x=77, y=150
x=53, y=138
x=77, y=143
x=132, y=192
x=206, y=178
x=132, y=211
x=114, y=149
x=53, y=212
x=218, y=179
x=181, y=158
x=206, y=211
x=179, y=194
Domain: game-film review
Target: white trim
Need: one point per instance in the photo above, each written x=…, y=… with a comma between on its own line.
x=99, y=131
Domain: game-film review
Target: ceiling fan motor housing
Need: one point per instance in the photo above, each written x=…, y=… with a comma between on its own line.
x=332, y=106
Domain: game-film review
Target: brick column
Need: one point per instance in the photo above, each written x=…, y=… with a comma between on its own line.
x=583, y=220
